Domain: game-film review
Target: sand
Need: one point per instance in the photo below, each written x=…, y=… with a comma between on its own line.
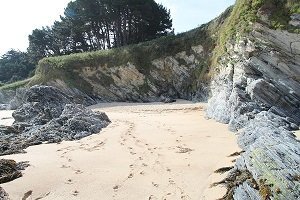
x=5, y=117
x=149, y=151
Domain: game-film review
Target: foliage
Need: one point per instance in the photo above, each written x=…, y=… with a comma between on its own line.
x=15, y=66
x=247, y=12
x=100, y=24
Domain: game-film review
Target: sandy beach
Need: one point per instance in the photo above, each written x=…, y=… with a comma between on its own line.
x=149, y=151
x=6, y=118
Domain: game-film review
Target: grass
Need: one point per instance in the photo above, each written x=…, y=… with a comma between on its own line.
x=245, y=13
x=15, y=85
x=141, y=55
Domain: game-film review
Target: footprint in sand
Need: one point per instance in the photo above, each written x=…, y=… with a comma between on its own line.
x=78, y=171
x=152, y=197
x=155, y=184
x=75, y=193
x=144, y=165
x=116, y=187
x=69, y=182
x=65, y=166
x=142, y=173
x=130, y=175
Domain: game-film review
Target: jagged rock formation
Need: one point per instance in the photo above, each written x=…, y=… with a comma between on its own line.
x=257, y=93
x=48, y=116
x=170, y=76
x=10, y=170
x=3, y=194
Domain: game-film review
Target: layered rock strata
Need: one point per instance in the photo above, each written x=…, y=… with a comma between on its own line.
x=257, y=92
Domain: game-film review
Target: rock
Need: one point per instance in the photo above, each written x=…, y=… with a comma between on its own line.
x=18, y=98
x=295, y=20
x=259, y=97
x=6, y=96
x=167, y=99
x=3, y=194
x=10, y=170
x=75, y=122
x=48, y=115
x=42, y=103
x=4, y=106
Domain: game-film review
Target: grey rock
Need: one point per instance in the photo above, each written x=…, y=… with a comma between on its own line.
x=48, y=116
x=10, y=170
x=245, y=191
x=295, y=20
x=3, y=194
x=257, y=93
x=18, y=99
x=4, y=106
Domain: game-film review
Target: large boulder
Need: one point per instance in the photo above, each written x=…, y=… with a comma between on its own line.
x=49, y=115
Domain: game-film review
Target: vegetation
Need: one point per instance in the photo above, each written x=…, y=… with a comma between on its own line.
x=15, y=66
x=15, y=85
x=65, y=67
x=247, y=12
x=101, y=24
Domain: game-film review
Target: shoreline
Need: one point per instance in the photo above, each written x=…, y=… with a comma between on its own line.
x=149, y=151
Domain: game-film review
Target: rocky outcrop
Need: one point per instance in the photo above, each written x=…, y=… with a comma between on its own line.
x=257, y=93
x=49, y=116
x=3, y=194
x=10, y=170
x=170, y=76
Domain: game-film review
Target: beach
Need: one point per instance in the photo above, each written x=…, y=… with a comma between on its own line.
x=149, y=151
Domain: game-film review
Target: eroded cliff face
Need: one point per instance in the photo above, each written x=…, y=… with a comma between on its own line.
x=167, y=76
x=171, y=76
x=257, y=91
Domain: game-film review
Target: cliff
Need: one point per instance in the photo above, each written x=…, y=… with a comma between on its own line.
x=172, y=66
x=256, y=91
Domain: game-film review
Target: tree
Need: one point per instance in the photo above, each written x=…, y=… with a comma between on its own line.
x=89, y=25
x=15, y=65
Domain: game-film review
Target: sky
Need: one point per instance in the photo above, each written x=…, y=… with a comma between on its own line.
x=19, y=17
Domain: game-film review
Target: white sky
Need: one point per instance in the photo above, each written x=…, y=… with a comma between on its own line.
x=19, y=17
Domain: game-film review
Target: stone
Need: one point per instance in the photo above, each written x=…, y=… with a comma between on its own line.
x=4, y=106
x=3, y=194
x=295, y=20
x=259, y=97
x=10, y=170
x=48, y=115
